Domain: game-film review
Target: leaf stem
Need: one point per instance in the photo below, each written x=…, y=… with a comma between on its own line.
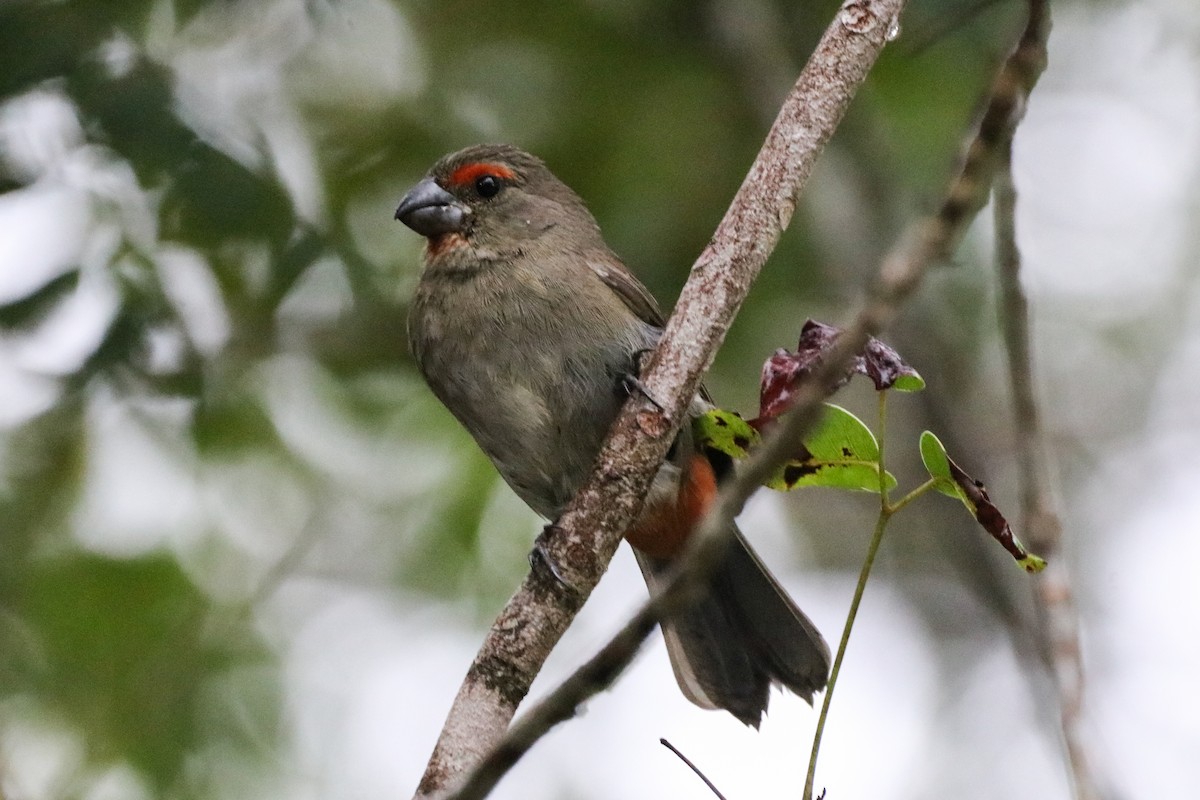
x=913, y=495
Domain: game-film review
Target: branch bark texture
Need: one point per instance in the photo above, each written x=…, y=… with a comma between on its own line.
x=583, y=540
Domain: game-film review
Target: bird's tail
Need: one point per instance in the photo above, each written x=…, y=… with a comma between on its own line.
x=742, y=636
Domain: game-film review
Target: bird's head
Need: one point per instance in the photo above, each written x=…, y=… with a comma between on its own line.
x=493, y=199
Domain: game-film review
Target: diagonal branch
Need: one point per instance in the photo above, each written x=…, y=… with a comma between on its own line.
x=583, y=540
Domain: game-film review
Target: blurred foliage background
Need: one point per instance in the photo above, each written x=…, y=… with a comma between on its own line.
x=223, y=486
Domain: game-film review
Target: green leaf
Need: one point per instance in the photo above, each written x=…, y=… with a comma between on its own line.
x=954, y=481
x=725, y=432
x=937, y=463
x=1032, y=563
x=910, y=382
x=841, y=453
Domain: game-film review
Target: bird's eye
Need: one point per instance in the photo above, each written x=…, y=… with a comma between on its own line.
x=487, y=185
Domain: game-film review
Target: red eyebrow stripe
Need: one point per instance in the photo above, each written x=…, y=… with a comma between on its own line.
x=467, y=173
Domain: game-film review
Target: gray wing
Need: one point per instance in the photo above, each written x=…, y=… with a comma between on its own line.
x=636, y=297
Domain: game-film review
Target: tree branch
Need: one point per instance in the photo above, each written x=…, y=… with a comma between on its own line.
x=1058, y=618
x=583, y=540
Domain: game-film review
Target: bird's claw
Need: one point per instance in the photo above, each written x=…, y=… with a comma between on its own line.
x=632, y=383
x=540, y=558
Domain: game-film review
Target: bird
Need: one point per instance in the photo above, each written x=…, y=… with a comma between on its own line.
x=528, y=328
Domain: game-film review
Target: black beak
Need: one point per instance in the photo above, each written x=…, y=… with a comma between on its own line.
x=431, y=211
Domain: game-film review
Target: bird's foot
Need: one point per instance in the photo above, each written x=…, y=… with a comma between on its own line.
x=632, y=383
x=540, y=559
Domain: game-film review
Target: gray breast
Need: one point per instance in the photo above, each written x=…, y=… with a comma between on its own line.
x=528, y=375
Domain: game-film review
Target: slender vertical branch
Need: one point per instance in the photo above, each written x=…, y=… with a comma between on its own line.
x=1054, y=598
x=1058, y=617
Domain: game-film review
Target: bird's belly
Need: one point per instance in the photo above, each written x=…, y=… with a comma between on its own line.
x=539, y=418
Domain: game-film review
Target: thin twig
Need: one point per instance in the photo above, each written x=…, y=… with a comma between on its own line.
x=712, y=787
x=1058, y=617
x=588, y=532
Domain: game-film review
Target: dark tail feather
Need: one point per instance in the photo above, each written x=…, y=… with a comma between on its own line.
x=743, y=636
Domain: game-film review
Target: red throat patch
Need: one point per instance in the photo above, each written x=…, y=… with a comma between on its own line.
x=440, y=245
x=468, y=173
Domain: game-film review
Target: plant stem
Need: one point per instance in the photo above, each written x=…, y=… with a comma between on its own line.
x=876, y=538
x=883, y=488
